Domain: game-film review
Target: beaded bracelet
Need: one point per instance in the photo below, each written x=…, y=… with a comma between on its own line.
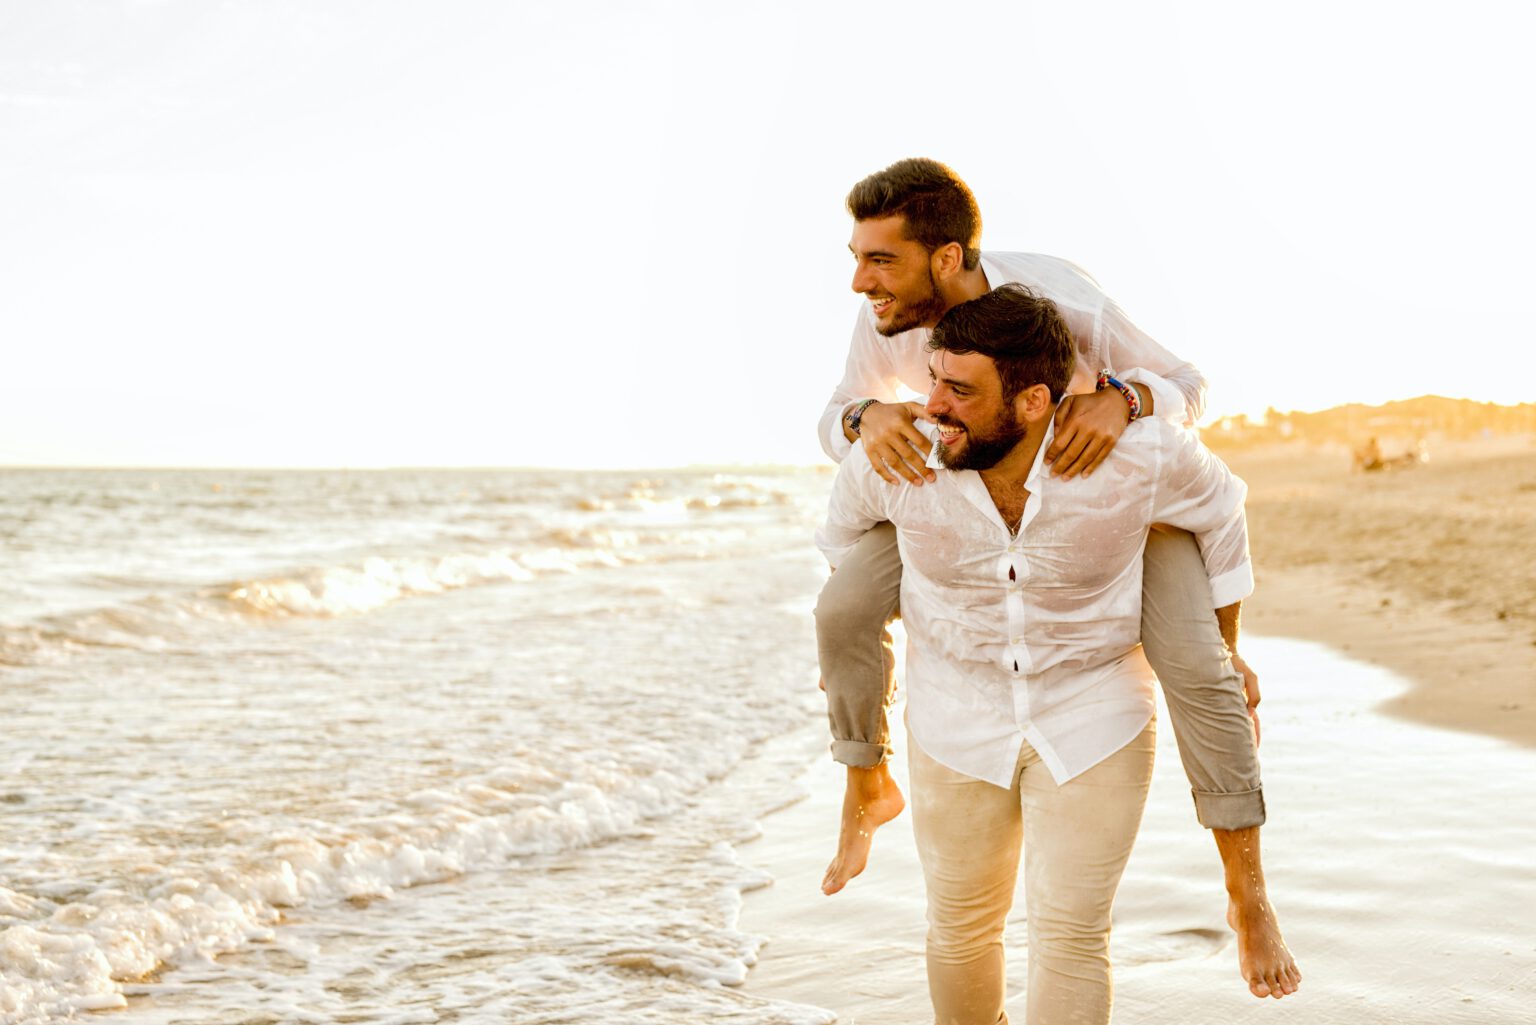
x=856, y=416
x=1134, y=400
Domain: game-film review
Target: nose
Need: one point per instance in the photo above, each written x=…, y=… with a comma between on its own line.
x=862, y=279
x=937, y=404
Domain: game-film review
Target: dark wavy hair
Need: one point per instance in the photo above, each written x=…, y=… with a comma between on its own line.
x=1020, y=330
x=937, y=205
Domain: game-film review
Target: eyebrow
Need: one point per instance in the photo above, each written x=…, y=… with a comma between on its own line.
x=951, y=381
x=872, y=252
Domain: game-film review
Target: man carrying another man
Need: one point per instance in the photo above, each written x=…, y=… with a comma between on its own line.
x=915, y=242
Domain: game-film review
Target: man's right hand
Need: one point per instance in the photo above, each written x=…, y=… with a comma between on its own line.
x=896, y=449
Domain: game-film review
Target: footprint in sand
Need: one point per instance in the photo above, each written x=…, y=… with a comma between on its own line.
x=1179, y=945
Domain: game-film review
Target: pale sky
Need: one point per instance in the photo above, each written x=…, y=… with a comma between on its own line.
x=312, y=232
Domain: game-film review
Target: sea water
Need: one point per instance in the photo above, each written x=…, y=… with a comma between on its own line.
x=395, y=746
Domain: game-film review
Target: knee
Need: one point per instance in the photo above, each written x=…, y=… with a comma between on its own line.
x=1192, y=666
x=954, y=945
x=960, y=931
x=1074, y=941
x=844, y=609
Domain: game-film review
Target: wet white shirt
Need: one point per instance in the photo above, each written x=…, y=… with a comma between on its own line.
x=1050, y=655
x=1106, y=339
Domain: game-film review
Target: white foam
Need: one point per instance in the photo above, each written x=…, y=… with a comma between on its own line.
x=188, y=771
x=66, y=957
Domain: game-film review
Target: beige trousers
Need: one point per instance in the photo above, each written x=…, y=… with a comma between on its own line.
x=1203, y=691
x=1075, y=837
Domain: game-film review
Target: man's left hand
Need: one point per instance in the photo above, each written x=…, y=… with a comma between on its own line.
x=1251, y=689
x=1087, y=427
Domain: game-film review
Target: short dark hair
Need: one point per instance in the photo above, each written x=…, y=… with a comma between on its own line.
x=1020, y=330
x=937, y=205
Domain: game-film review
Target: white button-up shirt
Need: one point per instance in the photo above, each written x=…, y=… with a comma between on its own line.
x=1035, y=636
x=1106, y=339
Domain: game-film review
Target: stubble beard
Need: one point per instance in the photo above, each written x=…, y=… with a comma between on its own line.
x=983, y=451
x=923, y=311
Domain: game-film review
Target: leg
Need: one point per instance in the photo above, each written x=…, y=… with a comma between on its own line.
x=1204, y=693
x=1216, y=743
x=968, y=835
x=857, y=666
x=1077, y=839
x=1261, y=951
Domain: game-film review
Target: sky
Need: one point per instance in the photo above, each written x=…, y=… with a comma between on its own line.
x=592, y=234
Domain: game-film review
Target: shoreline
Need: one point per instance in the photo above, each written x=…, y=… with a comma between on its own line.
x=1466, y=674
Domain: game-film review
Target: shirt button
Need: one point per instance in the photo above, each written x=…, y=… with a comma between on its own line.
x=1018, y=641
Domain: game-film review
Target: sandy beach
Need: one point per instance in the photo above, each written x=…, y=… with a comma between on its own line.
x=1394, y=631
x=1429, y=571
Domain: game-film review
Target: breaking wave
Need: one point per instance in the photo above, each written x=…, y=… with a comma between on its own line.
x=157, y=621
x=58, y=956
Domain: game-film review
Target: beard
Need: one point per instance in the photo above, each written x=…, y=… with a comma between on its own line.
x=983, y=450
x=918, y=312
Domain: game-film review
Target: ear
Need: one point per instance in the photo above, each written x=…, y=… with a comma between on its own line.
x=947, y=260
x=1033, y=404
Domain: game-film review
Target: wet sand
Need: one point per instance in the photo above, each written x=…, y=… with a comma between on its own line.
x=1429, y=571
x=1400, y=745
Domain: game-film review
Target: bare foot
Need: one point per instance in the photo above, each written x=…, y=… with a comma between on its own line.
x=871, y=798
x=1262, y=956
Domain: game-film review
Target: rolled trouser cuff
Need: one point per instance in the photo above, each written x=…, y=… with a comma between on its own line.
x=859, y=754
x=854, y=647
x=1229, y=811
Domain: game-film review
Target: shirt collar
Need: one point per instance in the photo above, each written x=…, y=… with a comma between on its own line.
x=932, y=431
x=1037, y=471
x=995, y=274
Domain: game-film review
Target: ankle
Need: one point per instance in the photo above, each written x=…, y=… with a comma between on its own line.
x=869, y=778
x=1247, y=895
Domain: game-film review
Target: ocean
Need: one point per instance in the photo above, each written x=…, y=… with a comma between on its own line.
x=396, y=746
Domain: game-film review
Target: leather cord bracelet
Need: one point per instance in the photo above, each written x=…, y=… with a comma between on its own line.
x=856, y=415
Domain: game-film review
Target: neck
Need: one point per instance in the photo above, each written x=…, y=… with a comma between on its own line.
x=1013, y=469
x=963, y=287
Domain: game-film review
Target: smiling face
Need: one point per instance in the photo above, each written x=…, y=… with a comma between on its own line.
x=896, y=274
x=976, y=427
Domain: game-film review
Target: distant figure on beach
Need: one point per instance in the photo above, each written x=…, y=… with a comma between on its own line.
x=916, y=246
x=1030, y=705
x=1369, y=457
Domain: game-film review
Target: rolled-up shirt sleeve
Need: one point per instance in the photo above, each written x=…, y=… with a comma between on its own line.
x=1197, y=493
x=858, y=502
x=1178, y=388
x=869, y=373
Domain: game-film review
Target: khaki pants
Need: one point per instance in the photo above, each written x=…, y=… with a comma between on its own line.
x=1076, y=838
x=1203, y=691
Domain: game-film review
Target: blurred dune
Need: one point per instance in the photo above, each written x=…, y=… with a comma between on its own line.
x=1427, y=415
